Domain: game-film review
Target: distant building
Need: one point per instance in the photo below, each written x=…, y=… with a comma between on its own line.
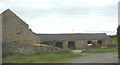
x=75, y=40
x=15, y=30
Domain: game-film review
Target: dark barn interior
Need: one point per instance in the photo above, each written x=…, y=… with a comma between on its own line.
x=59, y=44
x=89, y=42
x=100, y=42
x=71, y=45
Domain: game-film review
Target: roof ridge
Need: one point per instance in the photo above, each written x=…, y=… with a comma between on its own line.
x=66, y=33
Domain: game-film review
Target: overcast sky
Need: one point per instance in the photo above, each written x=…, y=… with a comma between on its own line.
x=66, y=16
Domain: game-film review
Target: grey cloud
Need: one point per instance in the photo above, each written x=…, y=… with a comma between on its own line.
x=65, y=9
x=62, y=9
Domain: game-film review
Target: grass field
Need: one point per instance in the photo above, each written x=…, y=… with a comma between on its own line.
x=50, y=57
x=114, y=41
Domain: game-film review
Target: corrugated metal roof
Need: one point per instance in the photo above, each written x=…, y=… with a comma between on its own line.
x=72, y=37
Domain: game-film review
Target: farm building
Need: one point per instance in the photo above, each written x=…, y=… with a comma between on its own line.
x=15, y=30
x=75, y=40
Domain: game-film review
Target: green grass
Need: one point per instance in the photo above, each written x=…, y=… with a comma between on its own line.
x=50, y=57
x=114, y=41
x=53, y=57
x=101, y=50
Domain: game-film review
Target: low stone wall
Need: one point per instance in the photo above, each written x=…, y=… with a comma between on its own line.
x=25, y=49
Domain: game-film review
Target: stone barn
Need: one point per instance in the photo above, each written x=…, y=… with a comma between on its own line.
x=15, y=30
x=75, y=40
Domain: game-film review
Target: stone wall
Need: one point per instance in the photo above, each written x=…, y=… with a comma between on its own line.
x=15, y=30
x=108, y=41
x=26, y=49
x=80, y=44
x=65, y=44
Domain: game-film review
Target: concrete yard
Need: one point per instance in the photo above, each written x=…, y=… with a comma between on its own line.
x=98, y=58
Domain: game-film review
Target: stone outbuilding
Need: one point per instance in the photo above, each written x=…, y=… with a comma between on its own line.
x=15, y=30
x=75, y=40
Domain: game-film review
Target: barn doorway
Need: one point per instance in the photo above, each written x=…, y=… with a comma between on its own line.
x=89, y=42
x=71, y=45
x=59, y=44
x=100, y=42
